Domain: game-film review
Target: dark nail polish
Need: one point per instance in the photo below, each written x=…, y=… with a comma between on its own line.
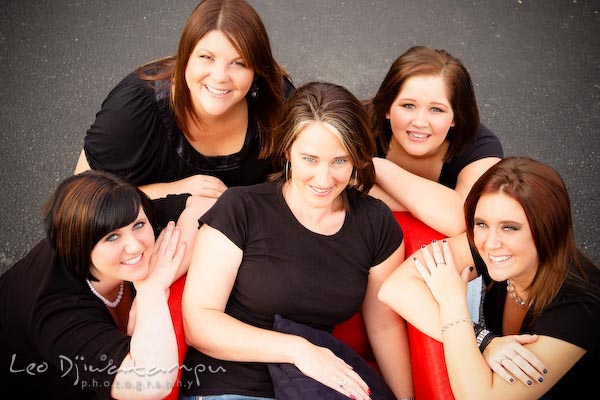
x=529, y=383
x=512, y=380
x=545, y=371
x=434, y=241
x=471, y=268
x=444, y=241
x=414, y=258
x=540, y=379
x=423, y=246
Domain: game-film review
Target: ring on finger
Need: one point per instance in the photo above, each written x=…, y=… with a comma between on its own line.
x=343, y=383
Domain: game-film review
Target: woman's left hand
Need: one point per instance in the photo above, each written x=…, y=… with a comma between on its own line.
x=440, y=275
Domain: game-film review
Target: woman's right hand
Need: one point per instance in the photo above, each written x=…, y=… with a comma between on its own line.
x=508, y=358
x=323, y=365
x=202, y=185
x=165, y=259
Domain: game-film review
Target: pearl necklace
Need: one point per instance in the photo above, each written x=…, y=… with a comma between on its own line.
x=510, y=288
x=111, y=304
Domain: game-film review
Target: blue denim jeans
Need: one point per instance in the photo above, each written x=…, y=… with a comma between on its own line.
x=224, y=397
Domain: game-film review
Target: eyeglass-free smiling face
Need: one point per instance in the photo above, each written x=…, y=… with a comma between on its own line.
x=124, y=253
x=216, y=75
x=321, y=167
x=503, y=238
x=421, y=116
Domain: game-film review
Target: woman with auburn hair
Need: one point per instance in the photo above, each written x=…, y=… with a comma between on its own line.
x=68, y=325
x=319, y=257
x=520, y=239
x=199, y=121
x=430, y=143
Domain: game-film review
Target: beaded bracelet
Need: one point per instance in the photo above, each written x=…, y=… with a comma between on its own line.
x=455, y=322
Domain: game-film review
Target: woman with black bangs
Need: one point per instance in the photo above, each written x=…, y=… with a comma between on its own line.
x=68, y=327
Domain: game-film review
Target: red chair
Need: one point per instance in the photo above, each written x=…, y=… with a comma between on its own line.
x=427, y=355
x=175, y=293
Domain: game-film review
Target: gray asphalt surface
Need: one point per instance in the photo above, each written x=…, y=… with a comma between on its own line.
x=535, y=65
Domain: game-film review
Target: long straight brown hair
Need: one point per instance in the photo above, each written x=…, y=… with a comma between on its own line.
x=242, y=25
x=542, y=193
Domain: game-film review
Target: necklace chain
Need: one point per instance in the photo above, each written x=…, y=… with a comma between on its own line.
x=111, y=304
x=510, y=288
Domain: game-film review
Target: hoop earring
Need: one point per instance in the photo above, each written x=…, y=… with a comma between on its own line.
x=287, y=170
x=254, y=91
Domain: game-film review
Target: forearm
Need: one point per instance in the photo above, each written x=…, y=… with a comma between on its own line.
x=152, y=362
x=470, y=376
x=403, y=290
x=436, y=205
x=389, y=341
x=223, y=337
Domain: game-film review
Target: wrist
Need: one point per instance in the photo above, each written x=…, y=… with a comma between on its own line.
x=483, y=336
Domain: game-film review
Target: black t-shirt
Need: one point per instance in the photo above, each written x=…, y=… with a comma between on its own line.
x=572, y=316
x=317, y=280
x=52, y=323
x=485, y=144
x=136, y=137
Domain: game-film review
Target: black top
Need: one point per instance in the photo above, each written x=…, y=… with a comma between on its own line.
x=484, y=144
x=573, y=316
x=313, y=279
x=57, y=339
x=136, y=137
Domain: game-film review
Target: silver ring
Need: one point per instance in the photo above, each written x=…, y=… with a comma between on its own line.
x=343, y=383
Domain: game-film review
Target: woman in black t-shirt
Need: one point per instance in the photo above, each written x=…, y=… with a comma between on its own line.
x=310, y=246
x=68, y=329
x=199, y=121
x=431, y=147
x=520, y=238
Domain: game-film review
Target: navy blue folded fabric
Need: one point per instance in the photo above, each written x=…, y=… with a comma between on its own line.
x=291, y=384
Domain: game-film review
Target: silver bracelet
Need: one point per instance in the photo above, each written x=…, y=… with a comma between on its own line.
x=453, y=323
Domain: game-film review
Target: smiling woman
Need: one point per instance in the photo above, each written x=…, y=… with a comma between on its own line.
x=318, y=258
x=67, y=306
x=429, y=139
x=199, y=121
x=520, y=239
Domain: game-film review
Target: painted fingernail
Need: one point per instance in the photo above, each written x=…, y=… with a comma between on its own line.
x=540, y=379
x=529, y=383
x=423, y=246
x=471, y=268
x=444, y=241
x=414, y=258
x=434, y=241
x=369, y=391
x=512, y=380
x=545, y=371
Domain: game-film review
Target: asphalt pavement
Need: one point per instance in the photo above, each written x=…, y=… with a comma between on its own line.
x=535, y=65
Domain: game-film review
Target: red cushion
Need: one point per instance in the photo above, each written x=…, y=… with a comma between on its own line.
x=175, y=293
x=427, y=355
